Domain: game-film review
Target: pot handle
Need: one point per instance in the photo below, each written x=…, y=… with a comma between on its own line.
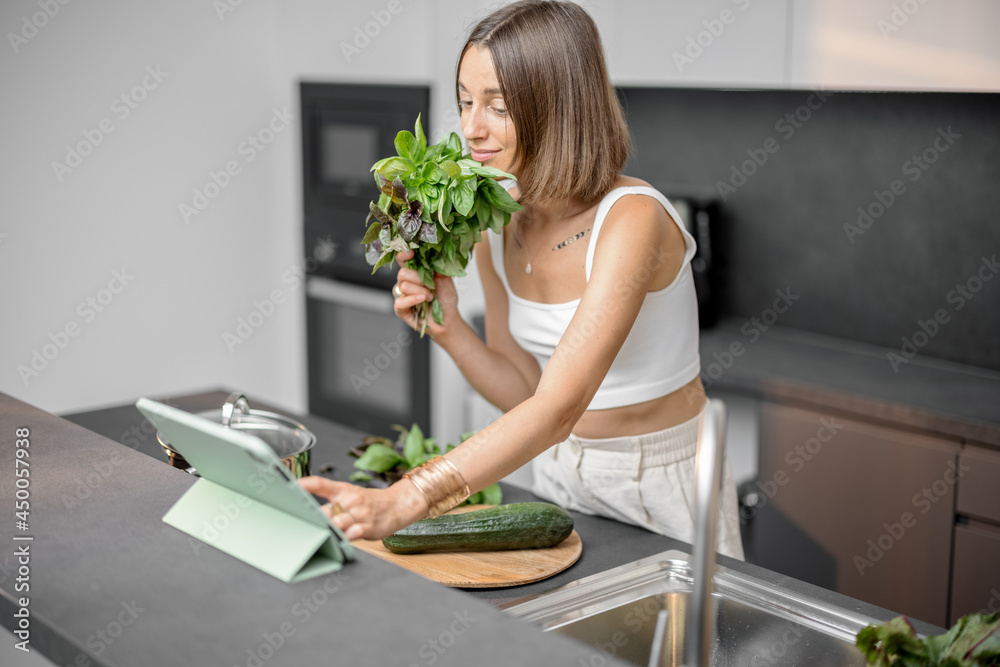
x=235, y=401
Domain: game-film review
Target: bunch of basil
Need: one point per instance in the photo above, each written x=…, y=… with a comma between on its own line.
x=437, y=202
x=380, y=461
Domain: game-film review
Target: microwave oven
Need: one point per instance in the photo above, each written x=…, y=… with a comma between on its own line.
x=346, y=128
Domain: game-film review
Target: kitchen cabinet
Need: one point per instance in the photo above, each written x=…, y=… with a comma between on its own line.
x=866, y=510
x=895, y=44
x=715, y=43
x=975, y=578
x=975, y=575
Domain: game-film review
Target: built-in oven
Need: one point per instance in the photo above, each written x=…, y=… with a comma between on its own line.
x=366, y=368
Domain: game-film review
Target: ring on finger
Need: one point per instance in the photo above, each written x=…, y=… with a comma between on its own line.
x=336, y=509
x=397, y=291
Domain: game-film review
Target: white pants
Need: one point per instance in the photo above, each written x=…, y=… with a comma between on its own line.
x=644, y=480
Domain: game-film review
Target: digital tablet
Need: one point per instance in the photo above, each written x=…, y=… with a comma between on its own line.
x=239, y=461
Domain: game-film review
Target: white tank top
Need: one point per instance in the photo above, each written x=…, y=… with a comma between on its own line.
x=660, y=354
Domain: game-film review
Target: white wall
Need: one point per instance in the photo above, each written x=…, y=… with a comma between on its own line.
x=224, y=75
x=187, y=282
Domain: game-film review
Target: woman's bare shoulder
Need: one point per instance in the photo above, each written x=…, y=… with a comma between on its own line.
x=623, y=181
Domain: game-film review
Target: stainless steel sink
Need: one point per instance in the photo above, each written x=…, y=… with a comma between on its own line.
x=756, y=623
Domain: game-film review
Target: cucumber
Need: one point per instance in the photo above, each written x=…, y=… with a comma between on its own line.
x=512, y=526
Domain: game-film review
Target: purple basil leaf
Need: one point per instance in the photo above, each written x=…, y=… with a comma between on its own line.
x=409, y=221
x=384, y=184
x=398, y=192
x=429, y=232
x=373, y=251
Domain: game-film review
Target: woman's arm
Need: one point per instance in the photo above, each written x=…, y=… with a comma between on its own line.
x=500, y=370
x=637, y=242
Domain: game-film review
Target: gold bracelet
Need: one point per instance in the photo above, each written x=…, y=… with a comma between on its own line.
x=441, y=484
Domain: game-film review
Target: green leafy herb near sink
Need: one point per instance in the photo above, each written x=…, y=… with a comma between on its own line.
x=974, y=641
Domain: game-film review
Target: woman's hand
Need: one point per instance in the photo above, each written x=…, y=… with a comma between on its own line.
x=369, y=514
x=410, y=291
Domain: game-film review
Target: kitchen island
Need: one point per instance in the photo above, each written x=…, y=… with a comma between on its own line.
x=111, y=584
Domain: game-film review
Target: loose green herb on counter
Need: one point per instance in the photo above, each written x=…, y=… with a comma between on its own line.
x=380, y=461
x=974, y=641
x=437, y=202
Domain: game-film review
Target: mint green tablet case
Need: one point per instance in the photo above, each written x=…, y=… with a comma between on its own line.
x=246, y=503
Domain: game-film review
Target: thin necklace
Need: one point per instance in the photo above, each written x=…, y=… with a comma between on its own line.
x=527, y=267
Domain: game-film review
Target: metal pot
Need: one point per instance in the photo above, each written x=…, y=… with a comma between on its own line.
x=290, y=440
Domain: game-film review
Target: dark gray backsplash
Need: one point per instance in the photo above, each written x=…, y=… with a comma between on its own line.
x=784, y=226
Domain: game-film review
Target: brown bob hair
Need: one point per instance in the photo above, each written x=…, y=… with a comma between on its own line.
x=572, y=139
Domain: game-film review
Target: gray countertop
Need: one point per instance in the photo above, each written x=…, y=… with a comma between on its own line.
x=111, y=582
x=801, y=368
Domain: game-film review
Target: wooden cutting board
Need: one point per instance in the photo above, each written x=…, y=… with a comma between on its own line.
x=483, y=569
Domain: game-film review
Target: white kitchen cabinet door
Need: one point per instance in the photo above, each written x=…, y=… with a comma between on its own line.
x=896, y=45
x=728, y=43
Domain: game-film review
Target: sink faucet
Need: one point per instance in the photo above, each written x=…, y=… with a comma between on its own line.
x=700, y=622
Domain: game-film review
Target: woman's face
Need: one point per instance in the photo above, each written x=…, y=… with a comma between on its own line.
x=485, y=122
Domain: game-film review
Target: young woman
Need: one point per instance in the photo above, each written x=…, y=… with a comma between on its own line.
x=591, y=319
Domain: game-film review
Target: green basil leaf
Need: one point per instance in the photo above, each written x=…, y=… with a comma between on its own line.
x=489, y=172
x=426, y=276
x=372, y=232
x=360, y=476
x=418, y=129
x=386, y=258
x=499, y=197
x=444, y=209
x=497, y=220
x=464, y=196
x=454, y=143
x=448, y=266
x=378, y=458
x=451, y=168
x=437, y=311
x=406, y=144
x=414, y=446
x=394, y=166
x=483, y=213
x=491, y=495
